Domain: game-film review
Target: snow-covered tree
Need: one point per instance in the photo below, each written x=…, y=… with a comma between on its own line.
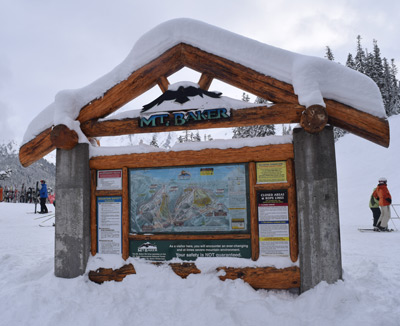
x=154, y=141
x=381, y=72
x=253, y=131
x=329, y=54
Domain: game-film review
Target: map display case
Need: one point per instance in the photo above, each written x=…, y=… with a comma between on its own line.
x=190, y=199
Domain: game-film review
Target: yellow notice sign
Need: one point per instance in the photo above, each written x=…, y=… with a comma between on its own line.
x=271, y=172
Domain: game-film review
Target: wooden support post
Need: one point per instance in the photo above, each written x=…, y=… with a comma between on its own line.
x=125, y=214
x=255, y=250
x=205, y=81
x=294, y=245
x=163, y=83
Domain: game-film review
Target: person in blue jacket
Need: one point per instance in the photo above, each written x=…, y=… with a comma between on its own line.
x=43, y=197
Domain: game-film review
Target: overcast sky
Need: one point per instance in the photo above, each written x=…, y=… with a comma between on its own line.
x=50, y=45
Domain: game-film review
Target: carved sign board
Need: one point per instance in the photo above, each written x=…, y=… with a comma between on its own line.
x=183, y=117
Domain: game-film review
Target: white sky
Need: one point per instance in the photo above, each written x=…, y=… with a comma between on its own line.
x=47, y=46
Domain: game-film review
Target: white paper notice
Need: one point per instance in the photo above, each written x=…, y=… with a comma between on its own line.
x=109, y=179
x=273, y=223
x=109, y=224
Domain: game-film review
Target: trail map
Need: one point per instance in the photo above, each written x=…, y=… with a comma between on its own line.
x=211, y=198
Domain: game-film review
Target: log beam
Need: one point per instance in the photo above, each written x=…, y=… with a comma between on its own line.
x=35, y=149
x=136, y=84
x=64, y=138
x=313, y=119
x=360, y=123
x=278, y=113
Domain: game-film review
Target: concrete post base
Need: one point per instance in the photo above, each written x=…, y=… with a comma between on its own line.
x=72, y=229
x=317, y=207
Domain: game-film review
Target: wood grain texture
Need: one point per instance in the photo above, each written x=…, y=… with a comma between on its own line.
x=358, y=122
x=276, y=114
x=163, y=83
x=102, y=275
x=125, y=214
x=184, y=269
x=35, y=149
x=292, y=200
x=314, y=119
x=264, y=277
x=140, y=81
x=255, y=246
x=205, y=81
x=63, y=137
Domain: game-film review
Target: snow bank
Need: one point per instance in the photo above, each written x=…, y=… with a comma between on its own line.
x=369, y=294
x=312, y=78
x=192, y=146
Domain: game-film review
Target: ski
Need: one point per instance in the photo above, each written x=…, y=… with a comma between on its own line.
x=39, y=213
x=372, y=230
x=42, y=223
x=44, y=216
x=47, y=226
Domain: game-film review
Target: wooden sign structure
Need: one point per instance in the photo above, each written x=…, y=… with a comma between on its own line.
x=285, y=109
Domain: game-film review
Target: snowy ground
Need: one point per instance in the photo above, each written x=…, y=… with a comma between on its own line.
x=368, y=295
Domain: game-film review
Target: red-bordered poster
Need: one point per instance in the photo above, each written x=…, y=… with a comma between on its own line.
x=109, y=179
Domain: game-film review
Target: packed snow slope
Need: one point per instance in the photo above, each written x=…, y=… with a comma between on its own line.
x=369, y=293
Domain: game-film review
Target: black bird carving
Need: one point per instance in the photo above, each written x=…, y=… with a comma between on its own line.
x=181, y=95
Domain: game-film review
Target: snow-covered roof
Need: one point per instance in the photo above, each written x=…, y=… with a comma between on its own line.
x=313, y=78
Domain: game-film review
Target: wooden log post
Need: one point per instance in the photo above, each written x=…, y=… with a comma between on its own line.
x=163, y=83
x=64, y=138
x=205, y=81
x=313, y=119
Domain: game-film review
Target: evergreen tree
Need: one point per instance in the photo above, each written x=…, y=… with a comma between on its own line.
x=167, y=143
x=329, y=54
x=154, y=141
x=253, y=131
x=350, y=62
x=286, y=130
x=359, y=59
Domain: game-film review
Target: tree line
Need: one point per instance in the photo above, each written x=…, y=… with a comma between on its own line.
x=380, y=69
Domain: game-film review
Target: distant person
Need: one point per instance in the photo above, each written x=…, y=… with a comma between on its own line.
x=385, y=199
x=376, y=211
x=43, y=197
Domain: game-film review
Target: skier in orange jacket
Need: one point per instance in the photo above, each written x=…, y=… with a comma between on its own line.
x=385, y=199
